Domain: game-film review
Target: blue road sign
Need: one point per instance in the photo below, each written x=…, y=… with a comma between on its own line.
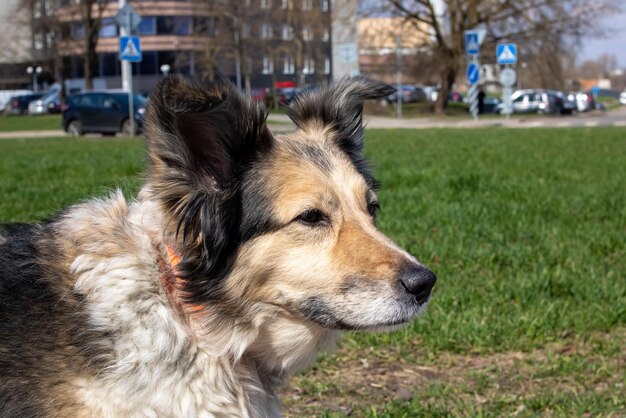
x=473, y=73
x=506, y=53
x=472, y=46
x=595, y=90
x=130, y=48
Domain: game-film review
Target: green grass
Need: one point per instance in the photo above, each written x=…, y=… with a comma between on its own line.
x=526, y=230
x=30, y=123
x=41, y=176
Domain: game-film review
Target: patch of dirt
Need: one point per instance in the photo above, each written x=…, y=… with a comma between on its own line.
x=351, y=381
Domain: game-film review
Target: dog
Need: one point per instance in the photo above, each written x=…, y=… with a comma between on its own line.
x=243, y=255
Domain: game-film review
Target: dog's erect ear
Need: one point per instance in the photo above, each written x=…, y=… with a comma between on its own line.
x=201, y=135
x=203, y=128
x=340, y=106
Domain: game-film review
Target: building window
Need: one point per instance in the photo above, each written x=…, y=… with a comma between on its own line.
x=206, y=25
x=49, y=6
x=307, y=5
x=287, y=32
x=147, y=26
x=50, y=40
x=173, y=25
x=266, y=31
x=38, y=41
x=266, y=4
x=324, y=6
x=77, y=30
x=327, y=66
x=245, y=31
x=37, y=9
x=309, y=66
x=108, y=28
x=289, y=65
x=110, y=65
x=268, y=65
x=326, y=35
x=287, y=4
x=307, y=33
x=213, y=27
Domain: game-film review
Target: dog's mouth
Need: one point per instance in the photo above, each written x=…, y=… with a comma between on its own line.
x=322, y=313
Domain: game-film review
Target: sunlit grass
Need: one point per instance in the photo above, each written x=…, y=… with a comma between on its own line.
x=526, y=230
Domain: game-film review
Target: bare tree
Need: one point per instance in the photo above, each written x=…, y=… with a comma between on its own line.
x=307, y=26
x=554, y=22
x=90, y=13
x=212, y=23
x=86, y=14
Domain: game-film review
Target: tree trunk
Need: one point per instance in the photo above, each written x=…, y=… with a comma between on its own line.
x=91, y=57
x=87, y=76
x=446, y=81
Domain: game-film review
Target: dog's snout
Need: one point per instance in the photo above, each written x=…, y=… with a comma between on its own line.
x=419, y=281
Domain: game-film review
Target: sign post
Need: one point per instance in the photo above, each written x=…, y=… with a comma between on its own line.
x=473, y=40
x=473, y=74
x=506, y=54
x=130, y=51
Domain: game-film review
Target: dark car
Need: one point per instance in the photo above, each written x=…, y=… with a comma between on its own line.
x=18, y=105
x=410, y=94
x=491, y=105
x=102, y=112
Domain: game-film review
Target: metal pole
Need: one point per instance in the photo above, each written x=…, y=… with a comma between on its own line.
x=399, y=76
x=127, y=73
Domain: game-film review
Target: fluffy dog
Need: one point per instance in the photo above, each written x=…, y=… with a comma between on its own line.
x=243, y=255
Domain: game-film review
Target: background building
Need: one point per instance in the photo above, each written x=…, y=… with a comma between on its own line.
x=378, y=48
x=16, y=51
x=266, y=41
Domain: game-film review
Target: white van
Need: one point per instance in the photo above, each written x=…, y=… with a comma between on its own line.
x=5, y=96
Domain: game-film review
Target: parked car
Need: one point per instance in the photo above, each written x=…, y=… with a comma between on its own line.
x=18, y=105
x=5, y=96
x=622, y=98
x=536, y=101
x=103, y=112
x=50, y=102
x=567, y=102
x=584, y=102
x=430, y=92
x=410, y=94
x=491, y=105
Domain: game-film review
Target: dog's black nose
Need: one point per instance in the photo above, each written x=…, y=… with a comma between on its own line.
x=418, y=281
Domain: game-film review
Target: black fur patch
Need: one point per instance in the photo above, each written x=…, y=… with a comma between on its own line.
x=39, y=325
x=203, y=137
x=340, y=106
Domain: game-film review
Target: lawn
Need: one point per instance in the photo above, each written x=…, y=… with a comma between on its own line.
x=30, y=123
x=526, y=230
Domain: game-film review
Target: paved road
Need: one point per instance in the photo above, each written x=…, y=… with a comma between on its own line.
x=609, y=118
x=282, y=123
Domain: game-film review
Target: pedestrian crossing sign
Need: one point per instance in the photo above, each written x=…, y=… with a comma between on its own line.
x=472, y=44
x=130, y=48
x=506, y=53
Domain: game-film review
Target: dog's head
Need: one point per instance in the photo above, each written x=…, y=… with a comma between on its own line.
x=284, y=224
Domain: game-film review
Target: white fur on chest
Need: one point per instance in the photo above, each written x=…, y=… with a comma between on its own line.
x=157, y=367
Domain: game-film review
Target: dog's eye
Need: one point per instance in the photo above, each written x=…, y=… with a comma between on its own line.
x=312, y=217
x=373, y=208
